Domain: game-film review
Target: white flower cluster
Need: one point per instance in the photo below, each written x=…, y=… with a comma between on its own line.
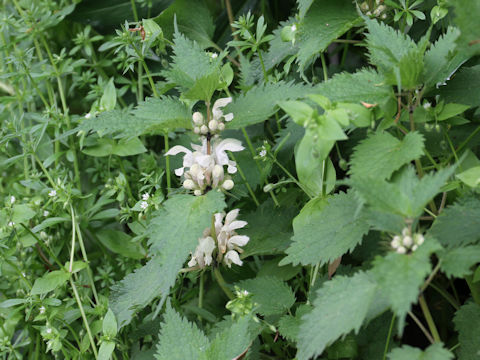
x=225, y=242
x=217, y=121
x=378, y=10
x=406, y=242
x=203, y=166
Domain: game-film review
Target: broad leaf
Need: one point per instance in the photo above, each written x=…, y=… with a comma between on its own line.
x=325, y=230
x=467, y=323
x=335, y=313
x=49, y=282
x=464, y=87
x=433, y=352
x=458, y=262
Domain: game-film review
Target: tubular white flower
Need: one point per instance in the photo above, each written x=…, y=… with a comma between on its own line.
x=187, y=159
x=221, y=103
x=232, y=257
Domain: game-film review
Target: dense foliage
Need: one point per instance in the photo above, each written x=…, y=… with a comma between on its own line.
x=251, y=179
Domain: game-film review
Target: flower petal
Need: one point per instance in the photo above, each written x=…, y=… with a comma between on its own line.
x=232, y=215
x=232, y=257
x=239, y=240
x=179, y=171
x=178, y=149
x=238, y=224
x=222, y=102
x=228, y=117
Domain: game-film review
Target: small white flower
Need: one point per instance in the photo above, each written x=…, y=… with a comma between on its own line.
x=146, y=196
x=427, y=105
x=42, y=309
x=48, y=331
x=218, y=113
x=88, y=116
x=12, y=199
x=214, y=55
x=24, y=275
x=401, y=250
x=11, y=224
x=46, y=213
x=263, y=152
x=232, y=257
x=43, y=235
x=144, y=205
x=197, y=192
x=203, y=252
x=293, y=28
x=228, y=184
x=52, y=193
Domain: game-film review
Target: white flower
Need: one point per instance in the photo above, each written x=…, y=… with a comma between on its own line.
x=220, y=155
x=88, y=116
x=42, y=309
x=146, y=196
x=407, y=241
x=232, y=257
x=418, y=239
x=214, y=55
x=395, y=242
x=11, y=224
x=197, y=118
x=203, y=252
x=401, y=250
x=52, y=193
x=46, y=213
x=48, y=331
x=218, y=113
x=12, y=199
x=144, y=205
x=188, y=184
x=228, y=184
x=293, y=28
x=204, y=129
x=263, y=152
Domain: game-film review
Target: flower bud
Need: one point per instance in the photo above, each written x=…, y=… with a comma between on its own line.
x=419, y=239
x=197, y=192
x=217, y=171
x=213, y=124
x=401, y=250
x=228, y=184
x=414, y=247
x=197, y=118
x=196, y=130
x=204, y=129
x=395, y=242
x=221, y=126
x=407, y=241
x=188, y=184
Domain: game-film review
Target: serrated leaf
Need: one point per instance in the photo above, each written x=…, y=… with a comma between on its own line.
x=336, y=312
x=433, y=352
x=442, y=59
x=303, y=6
x=458, y=224
x=458, y=262
x=400, y=276
x=365, y=85
x=179, y=339
x=173, y=233
x=289, y=326
x=154, y=116
x=405, y=195
x=262, y=288
x=324, y=22
x=325, y=230
x=261, y=101
x=470, y=177
x=464, y=87
x=120, y=243
x=279, y=49
x=467, y=323
x=382, y=153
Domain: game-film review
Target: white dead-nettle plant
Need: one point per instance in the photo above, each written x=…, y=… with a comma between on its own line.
x=225, y=243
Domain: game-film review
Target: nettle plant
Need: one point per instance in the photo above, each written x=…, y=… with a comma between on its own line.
x=293, y=180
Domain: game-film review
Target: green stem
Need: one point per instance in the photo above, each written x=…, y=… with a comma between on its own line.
x=50, y=180
x=242, y=175
x=43, y=245
x=84, y=317
x=134, y=10
x=223, y=285
x=293, y=178
x=324, y=66
x=265, y=76
x=429, y=318
x=446, y=295
x=389, y=336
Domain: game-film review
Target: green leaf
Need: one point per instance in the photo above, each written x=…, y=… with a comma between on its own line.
x=269, y=229
x=22, y=213
x=464, y=87
x=458, y=262
x=123, y=147
x=442, y=59
x=335, y=313
x=400, y=276
x=262, y=288
x=466, y=18
x=381, y=154
x=49, y=282
x=272, y=268
x=451, y=110
x=326, y=229
x=173, y=233
x=154, y=116
x=433, y=352
x=120, y=243
x=303, y=6
x=106, y=350
x=230, y=343
x=179, y=339
x=470, y=177
x=260, y=102
x=279, y=49
x=109, y=97
x=289, y=326
x=109, y=324
x=324, y=22
x=458, y=224
x=365, y=85
x=193, y=20
x=406, y=195
x=467, y=323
